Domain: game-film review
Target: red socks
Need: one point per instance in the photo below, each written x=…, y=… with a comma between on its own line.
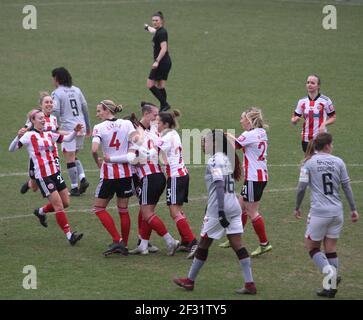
x=156, y=224
x=62, y=221
x=108, y=223
x=48, y=208
x=125, y=224
x=259, y=226
x=184, y=228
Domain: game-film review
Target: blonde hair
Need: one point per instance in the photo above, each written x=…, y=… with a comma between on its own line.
x=42, y=95
x=255, y=117
x=110, y=105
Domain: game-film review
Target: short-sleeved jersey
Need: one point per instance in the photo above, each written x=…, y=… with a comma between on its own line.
x=254, y=146
x=171, y=145
x=219, y=168
x=70, y=103
x=314, y=113
x=149, y=142
x=324, y=173
x=160, y=36
x=40, y=146
x=113, y=135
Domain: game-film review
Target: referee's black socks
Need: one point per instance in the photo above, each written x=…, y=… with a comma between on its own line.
x=158, y=93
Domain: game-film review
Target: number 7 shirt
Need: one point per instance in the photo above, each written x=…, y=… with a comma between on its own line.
x=254, y=146
x=113, y=136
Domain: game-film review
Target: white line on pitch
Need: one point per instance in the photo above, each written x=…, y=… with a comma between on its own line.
x=136, y=205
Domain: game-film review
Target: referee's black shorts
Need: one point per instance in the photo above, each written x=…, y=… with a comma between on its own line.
x=152, y=187
x=177, y=190
x=162, y=71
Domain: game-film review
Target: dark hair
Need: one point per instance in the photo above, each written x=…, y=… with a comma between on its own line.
x=318, y=144
x=227, y=145
x=146, y=107
x=158, y=14
x=132, y=117
x=63, y=76
x=316, y=76
x=169, y=118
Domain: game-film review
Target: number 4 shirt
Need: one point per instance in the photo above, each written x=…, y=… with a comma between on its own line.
x=254, y=146
x=113, y=135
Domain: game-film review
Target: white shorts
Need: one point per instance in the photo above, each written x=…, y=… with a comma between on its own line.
x=213, y=229
x=319, y=227
x=74, y=145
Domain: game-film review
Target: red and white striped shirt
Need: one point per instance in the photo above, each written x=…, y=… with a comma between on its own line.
x=254, y=146
x=314, y=113
x=40, y=146
x=152, y=165
x=113, y=135
x=171, y=145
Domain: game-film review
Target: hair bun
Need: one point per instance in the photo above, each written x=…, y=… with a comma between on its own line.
x=176, y=113
x=119, y=108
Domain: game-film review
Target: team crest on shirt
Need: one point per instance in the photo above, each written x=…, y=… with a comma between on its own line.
x=321, y=106
x=50, y=186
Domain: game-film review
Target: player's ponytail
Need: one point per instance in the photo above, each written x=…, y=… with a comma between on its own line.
x=318, y=144
x=310, y=151
x=111, y=106
x=132, y=117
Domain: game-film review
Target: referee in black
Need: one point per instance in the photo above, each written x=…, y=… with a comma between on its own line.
x=162, y=62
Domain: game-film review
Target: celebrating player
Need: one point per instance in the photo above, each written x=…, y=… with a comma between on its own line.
x=324, y=173
x=162, y=62
x=70, y=107
x=40, y=146
x=316, y=109
x=152, y=184
x=223, y=213
x=178, y=177
x=46, y=105
x=253, y=143
x=113, y=135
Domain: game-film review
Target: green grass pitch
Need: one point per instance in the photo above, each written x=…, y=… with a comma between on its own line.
x=227, y=55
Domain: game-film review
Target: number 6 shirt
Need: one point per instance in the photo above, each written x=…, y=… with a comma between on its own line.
x=254, y=146
x=113, y=136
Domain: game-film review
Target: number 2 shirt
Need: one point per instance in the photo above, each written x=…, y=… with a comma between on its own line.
x=254, y=146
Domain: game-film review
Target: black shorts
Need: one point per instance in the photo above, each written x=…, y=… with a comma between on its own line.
x=177, y=190
x=48, y=185
x=162, y=71
x=136, y=185
x=304, y=145
x=152, y=187
x=252, y=190
x=108, y=187
x=31, y=169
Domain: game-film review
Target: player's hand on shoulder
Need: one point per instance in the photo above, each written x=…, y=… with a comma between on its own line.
x=355, y=216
